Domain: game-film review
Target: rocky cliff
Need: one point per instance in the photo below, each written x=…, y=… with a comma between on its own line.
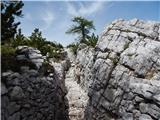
x=122, y=74
x=119, y=79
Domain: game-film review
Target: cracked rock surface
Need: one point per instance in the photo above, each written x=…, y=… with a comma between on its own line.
x=122, y=74
x=119, y=79
x=76, y=96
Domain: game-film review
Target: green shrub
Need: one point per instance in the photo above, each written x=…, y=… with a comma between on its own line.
x=37, y=41
x=52, y=52
x=8, y=58
x=9, y=62
x=47, y=48
x=126, y=46
x=114, y=60
x=7, y=50
x=92, y=40
x=20, y=42
x=73, y=47
x=46, y=69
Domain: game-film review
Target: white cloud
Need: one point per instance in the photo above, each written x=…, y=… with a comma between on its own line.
x=84, y=10
x=48, y=18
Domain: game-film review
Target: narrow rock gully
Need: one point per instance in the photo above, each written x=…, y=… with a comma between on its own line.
x=76, y=96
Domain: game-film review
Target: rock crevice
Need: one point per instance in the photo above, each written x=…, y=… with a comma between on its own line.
x=119, y=79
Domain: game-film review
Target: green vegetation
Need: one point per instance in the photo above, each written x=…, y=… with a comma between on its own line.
x=46, y=69
x=92, y=40
x=7, y=58
x=126, y=46
x=10, y=10
x=19, y=39
x=73, y=47
x=7, y=50
x=130, y=55
x=114, y=60
x=9, y=62
x=81, y=27
x=47, y=48
x=12, y=38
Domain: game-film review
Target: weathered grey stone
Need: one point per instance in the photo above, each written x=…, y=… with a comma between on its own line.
x=127, y=116
x=30, y=54
x=138, y=99
x=17, y=93
x=14, y=75
x=145, y=117
x=120, y=76
x=21, y=57
x=31, y=95
x=124, y=74
x=24, y=69
x=32, y=73
x=3, y=89
x=15, y=116
x=4, y=74
x=13, y=107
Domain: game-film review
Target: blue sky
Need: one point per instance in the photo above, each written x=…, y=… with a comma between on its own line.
x=53, y=18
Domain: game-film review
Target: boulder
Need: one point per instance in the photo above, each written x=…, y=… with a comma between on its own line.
x=33, y=55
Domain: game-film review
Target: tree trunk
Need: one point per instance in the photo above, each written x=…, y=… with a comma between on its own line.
x=83, y=35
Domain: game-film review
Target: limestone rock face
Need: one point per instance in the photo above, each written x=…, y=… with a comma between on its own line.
x=30, y=54
x=119, y=79
x=122, y=74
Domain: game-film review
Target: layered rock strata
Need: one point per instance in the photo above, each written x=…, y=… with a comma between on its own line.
x=122, y=74
x=119, y=79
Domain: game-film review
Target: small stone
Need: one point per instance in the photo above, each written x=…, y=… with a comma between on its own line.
x=145, y=117
x=17, y=93
x=138, y=99
x=13, y=107
x=15, y=116
x=32, y=73
x=21, y=57
x=26, y=106
x=143, y=107
x=4, y=74
x=24, y=69
x=128, y=116
x=14, y=75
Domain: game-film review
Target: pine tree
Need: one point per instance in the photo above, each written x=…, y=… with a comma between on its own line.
x=9, y=11
x=19, y=39
x=82, y=27
x=36, y=39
